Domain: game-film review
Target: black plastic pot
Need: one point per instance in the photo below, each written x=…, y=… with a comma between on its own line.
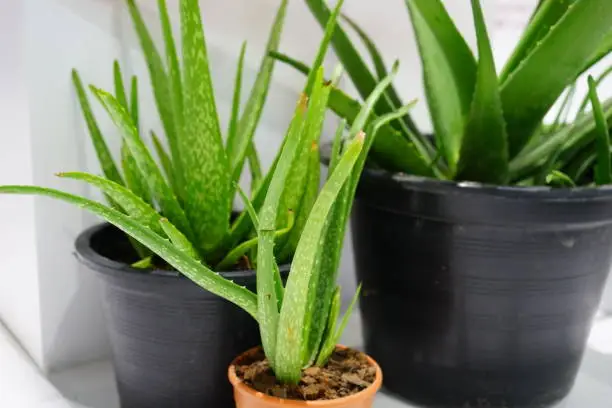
x=172, y=341
x=479, y=295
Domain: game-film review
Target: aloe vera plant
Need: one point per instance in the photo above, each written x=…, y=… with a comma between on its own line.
x=298, y=320
x=192, y=184
x=487, y=127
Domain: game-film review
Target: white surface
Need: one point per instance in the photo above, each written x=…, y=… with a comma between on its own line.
x=93, y=385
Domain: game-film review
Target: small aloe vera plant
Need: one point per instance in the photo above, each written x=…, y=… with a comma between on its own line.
x=299, y=321
x=488, y=127
x=194, y=185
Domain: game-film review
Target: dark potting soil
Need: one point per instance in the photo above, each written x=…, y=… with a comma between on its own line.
x=347, y=372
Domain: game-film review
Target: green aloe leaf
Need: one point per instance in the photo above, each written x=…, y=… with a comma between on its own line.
x=297, y=178
x=484, y=153
x=329, y=341
x=134, y=108
x=182, y=262
x=603, y=168
x=547, y=15
x=377, y=59
x=530, y=91
x=604, y=50
x=164, y=158
x=293, y=325
x=605, y=74
x=232, y=131
x=391, y=147
x=449, y=73
x=164, y=196
x=309, y=195
x=119, y=87
x=177, y=238
x=255, y=167
x=235, y=254
x=109, y=168
x=159, y=78
x=267, y=302
x=207, y=178
x=134, y=179
x=238, y=147
x=337, y=145
x=132, y=204
x=358, y=71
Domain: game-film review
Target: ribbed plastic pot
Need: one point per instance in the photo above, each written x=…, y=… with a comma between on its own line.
x=171, y=340
x=479, y=295
x=247, y=397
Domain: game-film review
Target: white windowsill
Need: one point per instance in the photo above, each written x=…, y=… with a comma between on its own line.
x=92, y=385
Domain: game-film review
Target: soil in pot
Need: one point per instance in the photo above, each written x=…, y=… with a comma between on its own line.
x=348, y=372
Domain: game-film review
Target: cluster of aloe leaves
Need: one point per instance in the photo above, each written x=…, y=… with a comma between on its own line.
x=195, y=184
x=298, y=320
x=487, y=127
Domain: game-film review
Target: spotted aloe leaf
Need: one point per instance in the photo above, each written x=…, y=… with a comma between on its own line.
x=178, y=259
x=603, y=169
x=267, y=305
x=205, y=167
x=163, y=194
x=293, y=330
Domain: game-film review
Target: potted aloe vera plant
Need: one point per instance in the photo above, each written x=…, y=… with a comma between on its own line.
x=171, y=340
x=300, y=360
x=483, y=248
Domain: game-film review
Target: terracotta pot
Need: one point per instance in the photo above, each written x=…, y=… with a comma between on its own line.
x=247, y=397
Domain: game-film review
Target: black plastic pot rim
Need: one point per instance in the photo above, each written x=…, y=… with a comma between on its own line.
x=87, y=255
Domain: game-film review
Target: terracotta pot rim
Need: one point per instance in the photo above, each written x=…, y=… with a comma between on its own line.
x=238, y=384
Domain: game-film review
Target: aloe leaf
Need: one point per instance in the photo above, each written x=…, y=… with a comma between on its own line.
x=329, y=340
x=297, y=177
x=159, y=78
x=144, y=263
x=563, y=113
x=249, y=208
x=134, y=179
x=119, y=87
x=347, y=315
x=109, y=169
x=132, y=204
x=570, y=138
x=391, y=147
x=255, y=167
x=484, y=152
x=547, y=15
x=377, y=59
x=530, y=91
x=164, y=158
x=336, y=146
x=174, y=68
x=235, y=254
x=293, y=325
x=267, y=302
x=164, y=196
x=254, y=106
x=557, y=177
x=603, y=168
x=362, y=78
x=449, y=72
x=309, y=195
x=207, y=178
x=134, y=108
x=232, y=131
x=182, y=262
x=329, y=29
x=605, y=74
x=604, y=50
x=177, y=238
